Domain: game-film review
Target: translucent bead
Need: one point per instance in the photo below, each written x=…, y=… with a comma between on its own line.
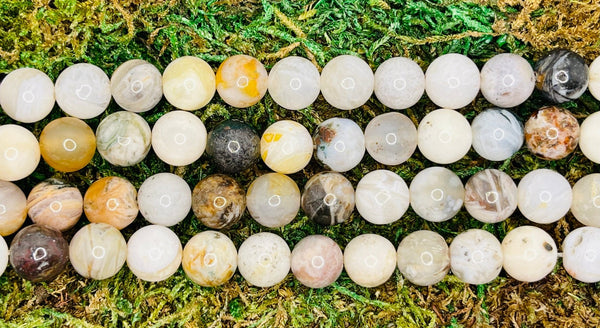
x=136, y=86
x=98, y=251
x=370, y=260
x=154, y=253
x=399, y=83
x=179, y=138
x=264, y=259
x=586, y=200
x=507, y=80
x=67, y=144
x=209, y=259
x=317, y=261
x=339, y=144
x=111, y=200
x=476, y=257
x=27, y=95
x=3, y=256
x=347, y=82
x=544, y=196
x=530, y=253
x=497, y=134
x=581, y=250
x=242, y=81
x=589, y=137
x=444, y=136
x=328, y=198
x=490, y=196
x=273, y=200
x=436, y=194
x=423, y=258
x=123, y=138
x=562, y=75
x=594, y=78
x=83, y=91
x=382, y=197
x=286, y=147
x=56, y=204
x=294, y=83
x=188, y=83
x=452, y=81
x=552, y=133
x=391, y=138
x=164, y=199
x=19, y=152
x=13, y=208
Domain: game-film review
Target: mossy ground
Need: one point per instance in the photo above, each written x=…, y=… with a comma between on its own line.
x=50, y=35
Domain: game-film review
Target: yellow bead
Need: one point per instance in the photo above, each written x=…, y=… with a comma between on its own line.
x=67, y=144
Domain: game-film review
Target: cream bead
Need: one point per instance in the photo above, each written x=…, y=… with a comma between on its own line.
x=188, y=83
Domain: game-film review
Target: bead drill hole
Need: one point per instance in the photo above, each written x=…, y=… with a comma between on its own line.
x=453, y=82
x=165, y=201
x=69, y=145
x=348, y=83
x=427, y=258
x=530, y=255
x=56, y=206
x=295, y=83
x=219, y=202
x=317, y=262
x=210, y=260
x=491, y=197
x=265, y=259
x=180, y=138
x=391, y=139
x=339, y=146
x=28, y=96
x=445, y=137
x=84, y=91
x=39, y=254
x=477, y=256
x=382, y=197
x=590, y=255
x=596, y=201
x=552, y=133
x=2, y=209
x=242, y=82
x=123, y=141
x=189, y=85
x=437, y=194
x=233, y=146
x=154, y=254
x=545, y=196
x=371, y=261
x=11, y=153
x=508, y=80
x=399, y=84
x=498, y=134
x=98, y=252
x=329, y=199
x=274, y=201
x=562, y=76
x=112, y=204
x=137, y=86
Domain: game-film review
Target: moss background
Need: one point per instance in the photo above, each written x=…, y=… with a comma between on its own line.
x=51, y=35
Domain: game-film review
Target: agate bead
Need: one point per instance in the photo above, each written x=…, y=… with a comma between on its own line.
x=399, y=83
x=13, y=208
x=347, y=82
x=452, y=81
x=56, y=204
x=188, y=83
x=436, y=194
x=339, y=144
x=242, y=81
x=552, y=133
x=594, y=78
x=67, y=144
x=27, y=95
x=234, y=146
x=328, y=198
x=136, y=86
x=382, y=197
x=123, y=138
x=294, y=83
x=98, y=251
x=544, y=196
x=580, y=254
x=317, y=261
x=19, y=152
x=3, y=255
x=164, y=199
x=154, y=253
x=83, y=91
x=497, y=134
x=264, y=259
x=111, y=200
x=444, y=136
x=391, y=138
x=562, y=75
x=490, y=196
x=218, y=201
x=423, y=258
x=529, y=253
x=209, y=259
x=476, y=257
x=179, y=138
x=586, y=200
x=286, y=147
x=273, y=200
x=590, y=135
x=507, y=80
x=39, y=253
x=369, y=260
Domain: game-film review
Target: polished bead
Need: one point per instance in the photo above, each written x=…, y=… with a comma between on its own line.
x=209, y=259
x=339, y=144
x=13, y=208
x=452, y=81
x=264, y=259
x=273, y=200
x=476, y=257
x=589, y=137
x=530, y=253
x=594, y=77
x=164, y=199
x=83, y=91
x=27, y=95
x=562, y=75
x=3, y=255
x=382, y=197
x=242, y=81
x=391, y=138
x=328, y=198
x=399, y=83
x=286, y=147
x=294, y=83
x=218, y=201
x=581, y=257
x=347, y=82
x=188, y=83
x=19, y=152
x=369, y=260
x=111, y=200
x=490, y=196
x=67, y=144
x=136, y=86
x=436, y=194
x=507, y=80
x=444, y=136
x=123, y=138
x=317, y=261
x=544, y=196
x=586, y=200
x=154, y=253
x=497, y=134
x=56, y=204
x=179, y=138
x=234, y=146
x=552, y=133
x=423, y=258
x=98, y=251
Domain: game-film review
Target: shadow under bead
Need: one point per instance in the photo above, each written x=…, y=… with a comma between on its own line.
x=328, y=198
x=218, y=201
x=234, y=146
x=562, y=76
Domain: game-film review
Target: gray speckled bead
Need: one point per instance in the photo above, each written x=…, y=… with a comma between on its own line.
x=497, y=134
x=476, y=257
x=123, y=138
x=562, y=75
x=328, y=198
x=136, y=85
x=234, y=146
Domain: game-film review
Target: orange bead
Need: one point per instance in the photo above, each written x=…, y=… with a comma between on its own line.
x=111, y=200
x=67, y=144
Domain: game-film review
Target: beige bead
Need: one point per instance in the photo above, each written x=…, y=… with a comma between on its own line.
x=188, y=83
x=136, y=86
x=27, y=95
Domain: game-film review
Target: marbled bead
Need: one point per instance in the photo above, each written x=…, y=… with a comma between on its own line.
x=589, y=137
x=136, y=86
x=286, y=147
x=273, y=200
x=188, y=83
x=27, y=95
x=294, y=83
x=391, y=138
x=123, y=138
x=369, y=260
x=552, y=133
x=83, y=91
x=529, y=253
x=3, y=256
x=452, y=81
x=111, y=200
x=580, y=254
x=39, y=253
x=19, y=152
x=586, y=200
x=562, y=75
x=234, y=146
x=242, y=81
x=399, y=83
x=56, y=204
x=13, y=208
x=476, y=257
x=424, y=258
x=317, y=261
x=98, y=251
x=209, y=259
x=497, y=134
x=544, y=196
x=179, y=138
x=67, y=144
x=264, y=259
x=507, y=80
x=347, y=82
x=490, y=196
x=594, y=78
x=164, y=199
x=339, y=144
x=382, y=197
x=444, y=136
x=154, y=253
x=218, y=201
x=436, y=194
x=328, y=198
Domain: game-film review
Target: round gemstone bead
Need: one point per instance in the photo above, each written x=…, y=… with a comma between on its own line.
x=436, y=194
x=242, y=81
x=476, y=257
x=347, y=82
x=111, y=200
x=529, y=253
x=286, y=147
x=98, y=251
x=369, y=260
x=27, y=95
x=562, y=75
x=382, y=197
x=552, y=133
x=56, y=204
x=218, y=201
x=490, y=196
x=123, y=138
x=3, y=256
x=507, y=80
x=294, y=83
x=580, y=254
x=67, y=144
x=19, y=152
x=399, y=83
x=544, y=196
x=273, y=200
x=590, y=134
x=452, y=81
x=209, y=259
x=264, y=259
x=188, y=83
x=83, y=91
x=391, y=138
x=339, y=144
x=13, y=208
x=586, y=200
x=317, y=261
x=179, y=138
x=328, y=198
x=154, y=253
x=444, y=136
x=234, y=146
x=497, y=134
x=136, y=85
x=594, y=78
x=423, y=258
x=164, y=199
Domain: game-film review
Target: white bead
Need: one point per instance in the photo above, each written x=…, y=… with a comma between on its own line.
x=444, y=136
x=436, y=194
x=581, y=254
x=452, y=81
x=339, y=144
x=83, y=91
x=423, y=258
x=19, y=152
x=529, y=253
x=369, y=260
x=594, y=74
x=476, y=257
x=382, y=197
x=264, y=259
x=164, y=199
x=179, y=138
x=273, y=200
x=154, y=253
x=544, y=196
x=3, y=255
x=399, y=83
x=497, y=134
x=294, y=83
x=590, y=137
x=507, y=80
x=586, y=200
x=136, y=86
x=391, y=138
x=27, y=95
x=347, y=82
